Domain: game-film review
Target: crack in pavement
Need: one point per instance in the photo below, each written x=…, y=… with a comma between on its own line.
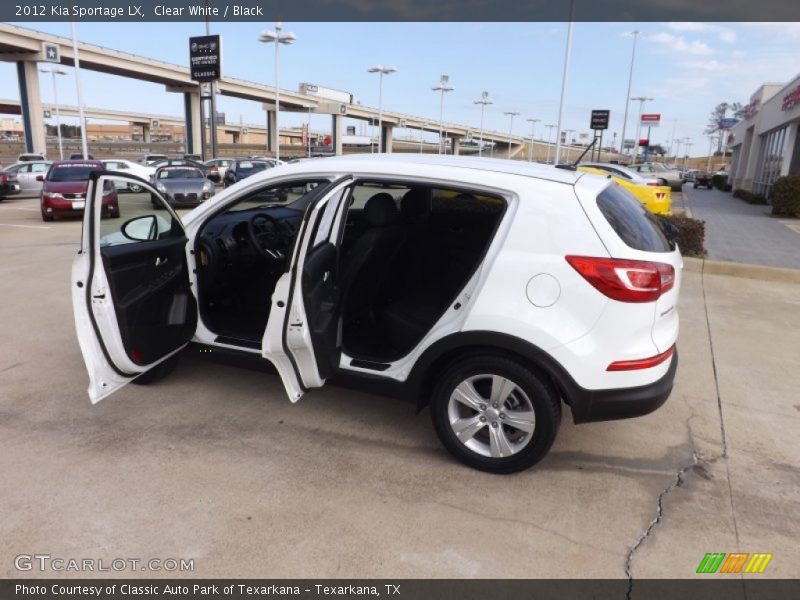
x=697, y=459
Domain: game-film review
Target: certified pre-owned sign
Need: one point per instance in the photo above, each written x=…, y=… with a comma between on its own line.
x=205, y=57
x=600, y=119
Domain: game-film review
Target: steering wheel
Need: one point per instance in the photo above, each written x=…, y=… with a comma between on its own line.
x=266, y=237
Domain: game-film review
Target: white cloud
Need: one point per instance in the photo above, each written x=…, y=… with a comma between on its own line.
x=724, y=34
x=680, y=44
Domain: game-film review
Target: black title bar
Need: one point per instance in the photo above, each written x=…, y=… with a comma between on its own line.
x=395, y=10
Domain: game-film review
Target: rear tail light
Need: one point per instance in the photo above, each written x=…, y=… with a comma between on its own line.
x=213, y=168
x=653, y=183
x=4, y=179
x=642, y=363
x=625, y=280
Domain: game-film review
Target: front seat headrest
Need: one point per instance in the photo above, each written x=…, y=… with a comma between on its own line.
x=380, y=210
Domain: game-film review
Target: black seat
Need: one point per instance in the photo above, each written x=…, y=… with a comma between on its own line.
x=367, y=260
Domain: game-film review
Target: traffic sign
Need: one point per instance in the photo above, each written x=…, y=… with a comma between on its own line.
x=651, y=120
x=47, y=114
x=205, y=57
x=628, y=144
x=343, y=109
x=154, y=123
x=469, y=137
x=600, y=119
x=402, y=123
x=727, y=123
x=244, y=130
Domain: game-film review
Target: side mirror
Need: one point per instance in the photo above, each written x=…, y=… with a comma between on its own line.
x=40, y=178
x=140, y=229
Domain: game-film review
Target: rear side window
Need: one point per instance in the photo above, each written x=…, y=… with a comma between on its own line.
x=633, y=223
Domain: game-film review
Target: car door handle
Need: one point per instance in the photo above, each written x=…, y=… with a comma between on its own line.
x=160, y=261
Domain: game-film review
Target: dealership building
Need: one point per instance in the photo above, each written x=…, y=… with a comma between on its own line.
x=765, y=143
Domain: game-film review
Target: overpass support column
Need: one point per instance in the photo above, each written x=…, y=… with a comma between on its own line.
x=387, y=138
x=272, y=132
x=31, y=105
x=193, y=123
x=338, y=121
x=456, y=144
x=146, y=133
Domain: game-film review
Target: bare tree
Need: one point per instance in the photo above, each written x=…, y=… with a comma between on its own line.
x=720, y=112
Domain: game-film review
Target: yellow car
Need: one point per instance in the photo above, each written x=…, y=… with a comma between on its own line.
x=655, y=198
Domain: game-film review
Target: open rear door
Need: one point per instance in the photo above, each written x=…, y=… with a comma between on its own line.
x=302, y=338
x=131, y=292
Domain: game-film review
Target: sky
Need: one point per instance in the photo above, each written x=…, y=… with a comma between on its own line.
x=687, y=68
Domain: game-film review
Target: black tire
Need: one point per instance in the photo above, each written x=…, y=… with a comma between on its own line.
x=695, y=186
x=543, y=399
x=158, y=372
x=114, y=215
x=47, y=218
x=134, y=188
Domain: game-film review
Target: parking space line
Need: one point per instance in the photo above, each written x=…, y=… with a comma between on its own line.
x=25, y=226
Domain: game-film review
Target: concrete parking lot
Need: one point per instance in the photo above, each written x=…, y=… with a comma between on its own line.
x=214, y=463
x=741, y=232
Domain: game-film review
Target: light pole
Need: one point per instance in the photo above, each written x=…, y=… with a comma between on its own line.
x=84, y=145
x=635, y=34
x=533, y=123
x=483, y=101
x=549, y=140
x=381, y=70
x=511, y=114
x=642, y=100
x=711, y=139
x=564, y=77
x=56, y=71
x=688, y=143
x=277, y=37
x=567, y=133
x=444, y=86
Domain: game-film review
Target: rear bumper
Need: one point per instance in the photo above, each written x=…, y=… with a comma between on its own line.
x=608, y=405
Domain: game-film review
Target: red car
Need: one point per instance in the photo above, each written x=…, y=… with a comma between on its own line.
x=64, y=190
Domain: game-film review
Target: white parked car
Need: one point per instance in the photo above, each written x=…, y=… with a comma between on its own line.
x=128, y=167
x=219, y=165
x=492, y=291
x=30, y=156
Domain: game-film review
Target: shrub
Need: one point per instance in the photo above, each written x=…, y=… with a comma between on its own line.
x=691, y=234
x=749, y=197
x=719, y=181
x=785, y=196
x=728, y=187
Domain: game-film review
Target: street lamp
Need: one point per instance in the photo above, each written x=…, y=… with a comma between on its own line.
x=381, y=70
x=634, y=33
x=549, y=140
x=567, y=133
x=641, y=100
x=484, y=101
x=444, y=86
x=56, y=71
x=533, y=123
x=688, y=142
x=277, y=37
x=511, y=114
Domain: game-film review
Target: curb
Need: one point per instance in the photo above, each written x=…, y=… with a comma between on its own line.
x=732, y=269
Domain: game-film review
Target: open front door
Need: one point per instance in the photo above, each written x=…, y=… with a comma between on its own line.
x=302, y=335
x=130, y=283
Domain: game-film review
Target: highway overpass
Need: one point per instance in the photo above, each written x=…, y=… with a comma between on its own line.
x=25, y=47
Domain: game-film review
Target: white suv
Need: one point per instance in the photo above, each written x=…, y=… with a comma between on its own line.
x=490, y=290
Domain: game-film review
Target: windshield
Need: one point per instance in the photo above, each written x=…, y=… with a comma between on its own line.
x=155, y=157
x=180, y=174
x=78, y=172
